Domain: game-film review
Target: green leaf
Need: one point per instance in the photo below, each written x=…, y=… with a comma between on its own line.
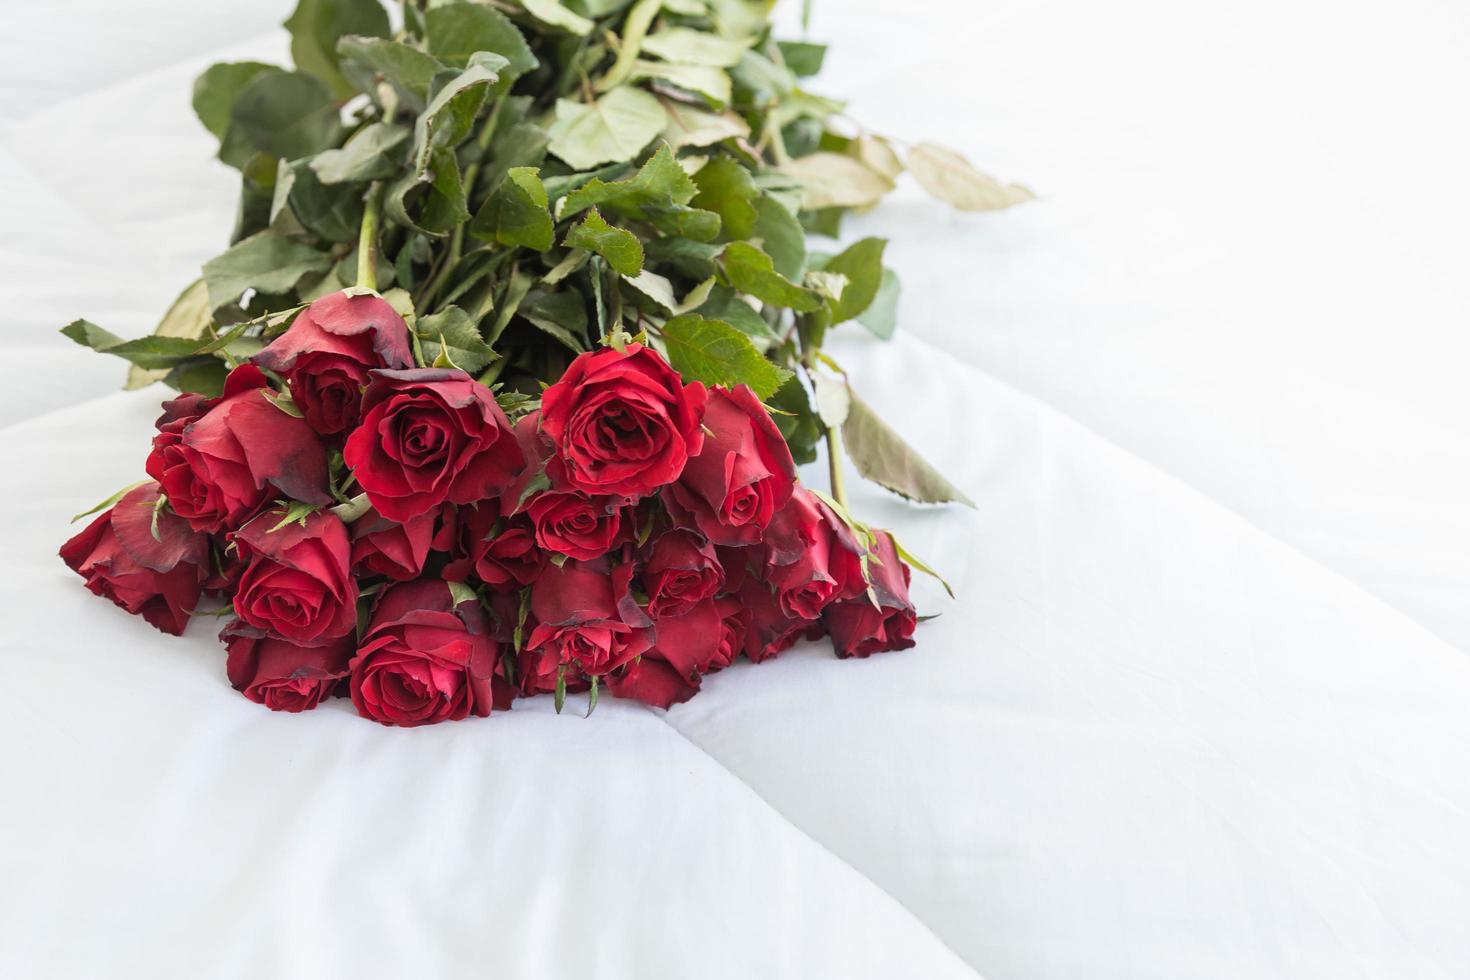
x=432, y=203
x=206, y=375
x=881, y=316
x=286, y=114
x=711, y=84
x=316, y=26
x=750, y=270
x=408, y=69
x=559, y=696
x=451, y=112
x=693, y=47
x=522, y=145
x=803, y=58
x=862, y=264
x=369, y=155
x=695, y=259
x=591, y=697
x=561, y=315
x=188, y=316
x=726, y=188
x=217, y=88
x=452, y=333
x=691, y=126
x=835, y=180
x=333, y=212
x=613, y=129
x=659, y=183
x=781, y=236
x=913, y=560
x=716, y=353
x=109, y=501
x=621, y=248
x=882, y=455
x=796, y=420
x=516, y=214
x=724, y=304
x=456, y=31
x=951, y=178
x=146, y=352
x=266, y=262
x=553, y=14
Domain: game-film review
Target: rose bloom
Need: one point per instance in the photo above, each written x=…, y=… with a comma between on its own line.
x=501, y=552
x=398, y=551
x=622, y=422
x=812, y=557
x=120, y=559
x=429, y=436
x=297, y=583
x=327, y=352
x=866, y=625
x=586, y=619
x=742, y=476
x=771, y=630
x=220, y=467
x=734, y=625
x=579, y=526
x=281, y=675
x=427, y=658
x=669, y=673
x=681, y=571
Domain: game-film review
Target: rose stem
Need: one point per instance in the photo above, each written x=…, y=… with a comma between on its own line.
x=834, y=466
x=367, y=239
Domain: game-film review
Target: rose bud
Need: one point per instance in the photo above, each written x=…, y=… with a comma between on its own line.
x=622, y=422
x=327, y=352
x=502, y=553
x=585, y=617
x=297, y=584
x=223, y=465
x=178, y=414
x=429, y=436
x=681, y=571
x=771, y=630
x=885, y=621
x=734, y=625
x=384, y=547
x=669, y=673
x=812, y=557
x=742, y=476
x=281, y=675
x=159, y=578
x=579, y=526
x=426, y=657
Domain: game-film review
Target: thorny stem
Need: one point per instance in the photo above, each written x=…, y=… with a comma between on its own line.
x=367, y=239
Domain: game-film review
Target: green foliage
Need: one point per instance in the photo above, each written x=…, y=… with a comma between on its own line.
x=716, y=353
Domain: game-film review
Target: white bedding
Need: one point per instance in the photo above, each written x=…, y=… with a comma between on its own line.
x=1200, y=710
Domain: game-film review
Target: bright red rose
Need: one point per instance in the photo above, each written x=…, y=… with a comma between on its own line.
x=669, y=673
x=501, y=552
x=866, y=625
x=812, y=557
x=771, y=630
x=681, y=571
x=429, y=436
x=734, y=625
x=622, y=422
x=329, y=349
x=221, y=467
x=281, y=675
x=579, y=526
x=427, y=658
x=297, y=583
x=585, y=617
x=742, y=476
x=121, y=560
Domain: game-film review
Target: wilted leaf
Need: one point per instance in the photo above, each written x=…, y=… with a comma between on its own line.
x=407, y=68
x=613, y=129
x=718, y=354
x=882, y=455
x=691, y=126
x=951, y=178
x=620, y=247
x=553, y=14
x=833, y=180
x=684, y=44
x=146, y=352
x=710, y=84
x=266, y=262
x=878, y=154
x=371, y=154
x=189, y=316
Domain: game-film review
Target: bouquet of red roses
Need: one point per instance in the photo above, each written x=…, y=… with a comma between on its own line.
x=501, y=385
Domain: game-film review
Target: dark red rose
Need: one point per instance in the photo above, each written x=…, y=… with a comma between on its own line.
x=501, y=552
x=297, y=584
x=883, y=621
x=221, y=467
x=670, y=672
x=384, y=547
x=427, y=658
x=812, y=557
x=586, y=618
x=734, y=625
x=622, y=422
x=580, y=526
x=742, y=476
x=771, y=630
x=281, y=675
x=681, y=571
x=178, y=414
x=120, y=559
x=429, y=436
x=329, y=349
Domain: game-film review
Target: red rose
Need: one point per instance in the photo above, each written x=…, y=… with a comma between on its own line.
x=427, y=436
x=328, y=350
x=579, y=526
x=771, y=630
x=178, y=414
x=281, y=675
x=622, y=422
x=219, y=468
x=885, y=621
x=502, y=553
x=812, y=557
x=681, y=571
x=384, y=547
x=742, y=476
x=426, y=658
x=734, y=625
x=159, y=578
x=670, y=672
x=297, y=583
x=585, y=617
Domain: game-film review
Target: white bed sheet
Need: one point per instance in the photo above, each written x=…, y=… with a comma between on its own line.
x=1199, y=710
